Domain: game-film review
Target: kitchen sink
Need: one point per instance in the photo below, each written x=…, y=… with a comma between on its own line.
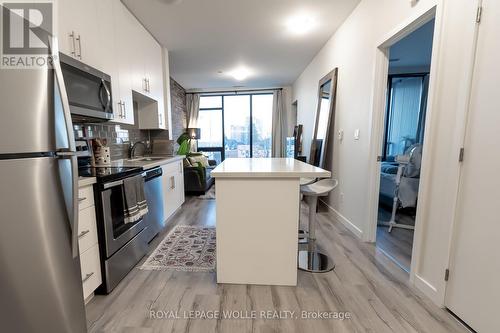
x=146, y=159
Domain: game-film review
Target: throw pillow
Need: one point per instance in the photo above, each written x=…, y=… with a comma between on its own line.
x=202, y=159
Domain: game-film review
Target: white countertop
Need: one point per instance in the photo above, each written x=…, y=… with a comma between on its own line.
x=267, y=168
x=86, y=181
x=157, y=161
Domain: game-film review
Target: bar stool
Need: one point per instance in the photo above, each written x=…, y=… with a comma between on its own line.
x=311, y=260
x=303, y=233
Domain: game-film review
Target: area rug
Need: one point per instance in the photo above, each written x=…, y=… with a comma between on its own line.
x=186, y=248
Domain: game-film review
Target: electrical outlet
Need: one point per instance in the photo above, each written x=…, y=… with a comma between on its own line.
x=341, y=135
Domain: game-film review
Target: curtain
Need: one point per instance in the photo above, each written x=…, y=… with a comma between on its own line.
x=193, y=110
x=279, y=125
x=404, y=115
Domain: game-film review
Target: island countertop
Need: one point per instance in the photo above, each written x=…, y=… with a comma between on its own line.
x=267, y=168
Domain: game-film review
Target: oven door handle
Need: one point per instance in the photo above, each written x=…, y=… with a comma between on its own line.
x=105, y=186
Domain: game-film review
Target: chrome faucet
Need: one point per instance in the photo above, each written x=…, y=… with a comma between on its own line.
x=133, y=149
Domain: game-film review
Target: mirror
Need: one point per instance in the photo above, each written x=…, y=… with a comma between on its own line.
x=325, y=115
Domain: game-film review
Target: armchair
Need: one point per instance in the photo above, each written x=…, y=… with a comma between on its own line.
x=198, y=180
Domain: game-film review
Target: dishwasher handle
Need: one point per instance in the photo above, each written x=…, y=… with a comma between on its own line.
x=153, y=173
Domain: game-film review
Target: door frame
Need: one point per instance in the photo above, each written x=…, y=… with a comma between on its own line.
x=379, y=102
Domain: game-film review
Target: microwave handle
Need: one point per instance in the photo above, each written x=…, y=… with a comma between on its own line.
x=105, y=104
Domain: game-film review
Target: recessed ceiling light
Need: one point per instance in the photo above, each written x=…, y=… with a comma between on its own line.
x=300, y=24
x=240, y=73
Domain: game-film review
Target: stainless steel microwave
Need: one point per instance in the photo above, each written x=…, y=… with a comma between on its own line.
x=88, y=90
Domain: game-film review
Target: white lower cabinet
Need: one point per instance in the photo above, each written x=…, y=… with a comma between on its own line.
x=88, y=242
x=91, y=271
x=173, y=187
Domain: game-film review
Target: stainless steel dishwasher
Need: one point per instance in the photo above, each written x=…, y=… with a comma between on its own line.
x=155, y=218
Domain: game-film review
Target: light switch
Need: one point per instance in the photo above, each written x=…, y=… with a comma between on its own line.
x=356, y=134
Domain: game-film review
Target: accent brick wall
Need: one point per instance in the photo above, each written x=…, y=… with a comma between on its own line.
x=179, y=109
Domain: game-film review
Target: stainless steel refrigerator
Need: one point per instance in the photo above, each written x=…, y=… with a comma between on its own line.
x=40, y=278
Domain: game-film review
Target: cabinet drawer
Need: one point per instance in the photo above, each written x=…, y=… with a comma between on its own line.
x=91, y=270
x=85, y=197
x=176, y=167
x=169, y=168
x=87, y=230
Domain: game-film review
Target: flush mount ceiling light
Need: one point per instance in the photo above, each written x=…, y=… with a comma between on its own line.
x=240, y=73
x=300, y=24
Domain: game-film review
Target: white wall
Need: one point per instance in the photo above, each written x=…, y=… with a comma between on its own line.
x=352, y=49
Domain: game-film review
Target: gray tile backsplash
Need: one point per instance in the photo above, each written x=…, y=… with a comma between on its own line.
x=120, y=136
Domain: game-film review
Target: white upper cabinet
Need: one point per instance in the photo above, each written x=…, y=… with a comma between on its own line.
x=79, y=30
x=124, y=25
x=105, y=35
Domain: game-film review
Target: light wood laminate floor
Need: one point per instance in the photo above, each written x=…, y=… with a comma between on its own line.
x=365, y=283
x=399, y=242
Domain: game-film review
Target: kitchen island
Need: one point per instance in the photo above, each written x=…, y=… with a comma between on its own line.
x=258, y=203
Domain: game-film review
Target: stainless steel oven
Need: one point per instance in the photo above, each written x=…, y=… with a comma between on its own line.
x=122, y=244
x=89, y=91
x=117, y=232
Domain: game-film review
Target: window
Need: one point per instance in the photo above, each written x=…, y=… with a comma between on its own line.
x=262, y=122
x=237, y=126
x=210, y=123
x=406, y=113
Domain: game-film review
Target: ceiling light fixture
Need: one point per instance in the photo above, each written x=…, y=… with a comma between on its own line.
x=240, y=73
x=300, y=24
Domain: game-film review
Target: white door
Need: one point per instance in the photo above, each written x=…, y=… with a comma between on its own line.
x=473, y=290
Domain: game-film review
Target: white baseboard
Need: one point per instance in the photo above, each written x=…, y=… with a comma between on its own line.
x=342, y=219
x=428, y=289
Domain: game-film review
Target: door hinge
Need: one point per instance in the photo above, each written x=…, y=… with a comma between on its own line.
x=379, y=158
x=479, y=14
x=461, y=155
x=447, y=274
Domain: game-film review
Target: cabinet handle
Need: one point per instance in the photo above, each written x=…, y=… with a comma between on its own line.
x=88, y=276
x=72, y=36
x=149, y=86
x=144, y=85
x=83, y=233
x=172, y=182
x=79, y=39
x=119, y=109
x=82, y=199
x=124, y=110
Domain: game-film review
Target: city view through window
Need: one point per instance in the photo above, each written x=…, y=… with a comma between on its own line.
x=236, y=126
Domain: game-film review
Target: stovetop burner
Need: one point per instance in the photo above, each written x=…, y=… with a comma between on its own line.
x=107, y=174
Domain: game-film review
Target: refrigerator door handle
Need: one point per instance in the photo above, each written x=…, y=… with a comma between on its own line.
x=54, y=50
x=75, y=224
x=68, y=153
x=73, y=212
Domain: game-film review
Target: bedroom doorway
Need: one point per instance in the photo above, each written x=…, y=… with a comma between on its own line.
x=403, y=143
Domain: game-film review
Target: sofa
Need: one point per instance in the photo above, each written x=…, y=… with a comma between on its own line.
x=194, y=182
